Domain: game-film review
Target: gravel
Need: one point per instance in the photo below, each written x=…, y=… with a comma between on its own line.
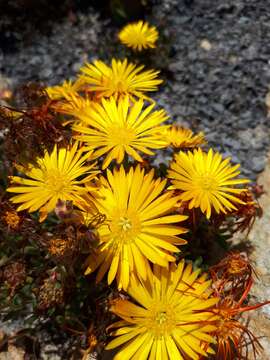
x=219, y=65
x=221, y=71
x=51, y=59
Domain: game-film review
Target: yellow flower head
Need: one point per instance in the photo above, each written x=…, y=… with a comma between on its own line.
x=116, y=128
x=66, y=98
x=140, y=226
x=73, y=106
x=139, y=36
x=170, y=319
x=206, y=181
x=64, y=91
x=180, y=137
x=122, y=78
x=59, y=175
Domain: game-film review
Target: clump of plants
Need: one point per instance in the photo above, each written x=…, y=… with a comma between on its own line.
x=108, y=246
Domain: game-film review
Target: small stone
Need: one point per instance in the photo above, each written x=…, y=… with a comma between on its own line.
x=206, y=45
x=50, y=352
x=258, y=163
x=218, y=107
x=233, y=59
x=45, y=74
x=267, y=103
x=35, y=61
x=76, y=67
x=231, y=143
x=5, y=85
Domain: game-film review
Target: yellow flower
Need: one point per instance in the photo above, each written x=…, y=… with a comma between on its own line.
x=122, y=78
x=59, y=175
x=180, y=137
x=139, y=36
x=170, y=319
x=73, y=106
x=69, y=101
x=64, y=91
x=140, y=226
x=206, y=181
x=116, y=128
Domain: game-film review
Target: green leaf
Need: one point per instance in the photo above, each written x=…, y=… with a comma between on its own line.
x=30, y=250
x=51, y=311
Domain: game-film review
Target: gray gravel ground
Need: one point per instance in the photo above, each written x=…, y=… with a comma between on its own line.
x=220, y=68
x=222, y=74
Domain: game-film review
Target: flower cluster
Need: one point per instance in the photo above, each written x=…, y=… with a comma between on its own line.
x=132, y=221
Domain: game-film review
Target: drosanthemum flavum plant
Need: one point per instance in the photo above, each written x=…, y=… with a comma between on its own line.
x=141, y=226
x=115, y=128
x=120, y=79
x=170, y=316
x=61, y=174
x=124, y=221
x=139, y=36
x=206, y=181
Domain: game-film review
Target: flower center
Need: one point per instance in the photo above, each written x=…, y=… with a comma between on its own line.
x=115, y=84
x=162, y=320
x=120, y=86
x=125, y=226
x=161, y=317
x=121, y=135
x=56, y=182
x=207, y=183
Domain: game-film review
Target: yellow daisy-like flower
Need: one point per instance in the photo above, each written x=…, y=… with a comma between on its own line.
x=170, y=319
x=180, y=137
x=64, y=91
x=206, y=181
x=62, y=175
x=140, y=226
x=117, y=128
x=122, y=78
x=139, y=36
x=66, y=98
x=73, y=106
